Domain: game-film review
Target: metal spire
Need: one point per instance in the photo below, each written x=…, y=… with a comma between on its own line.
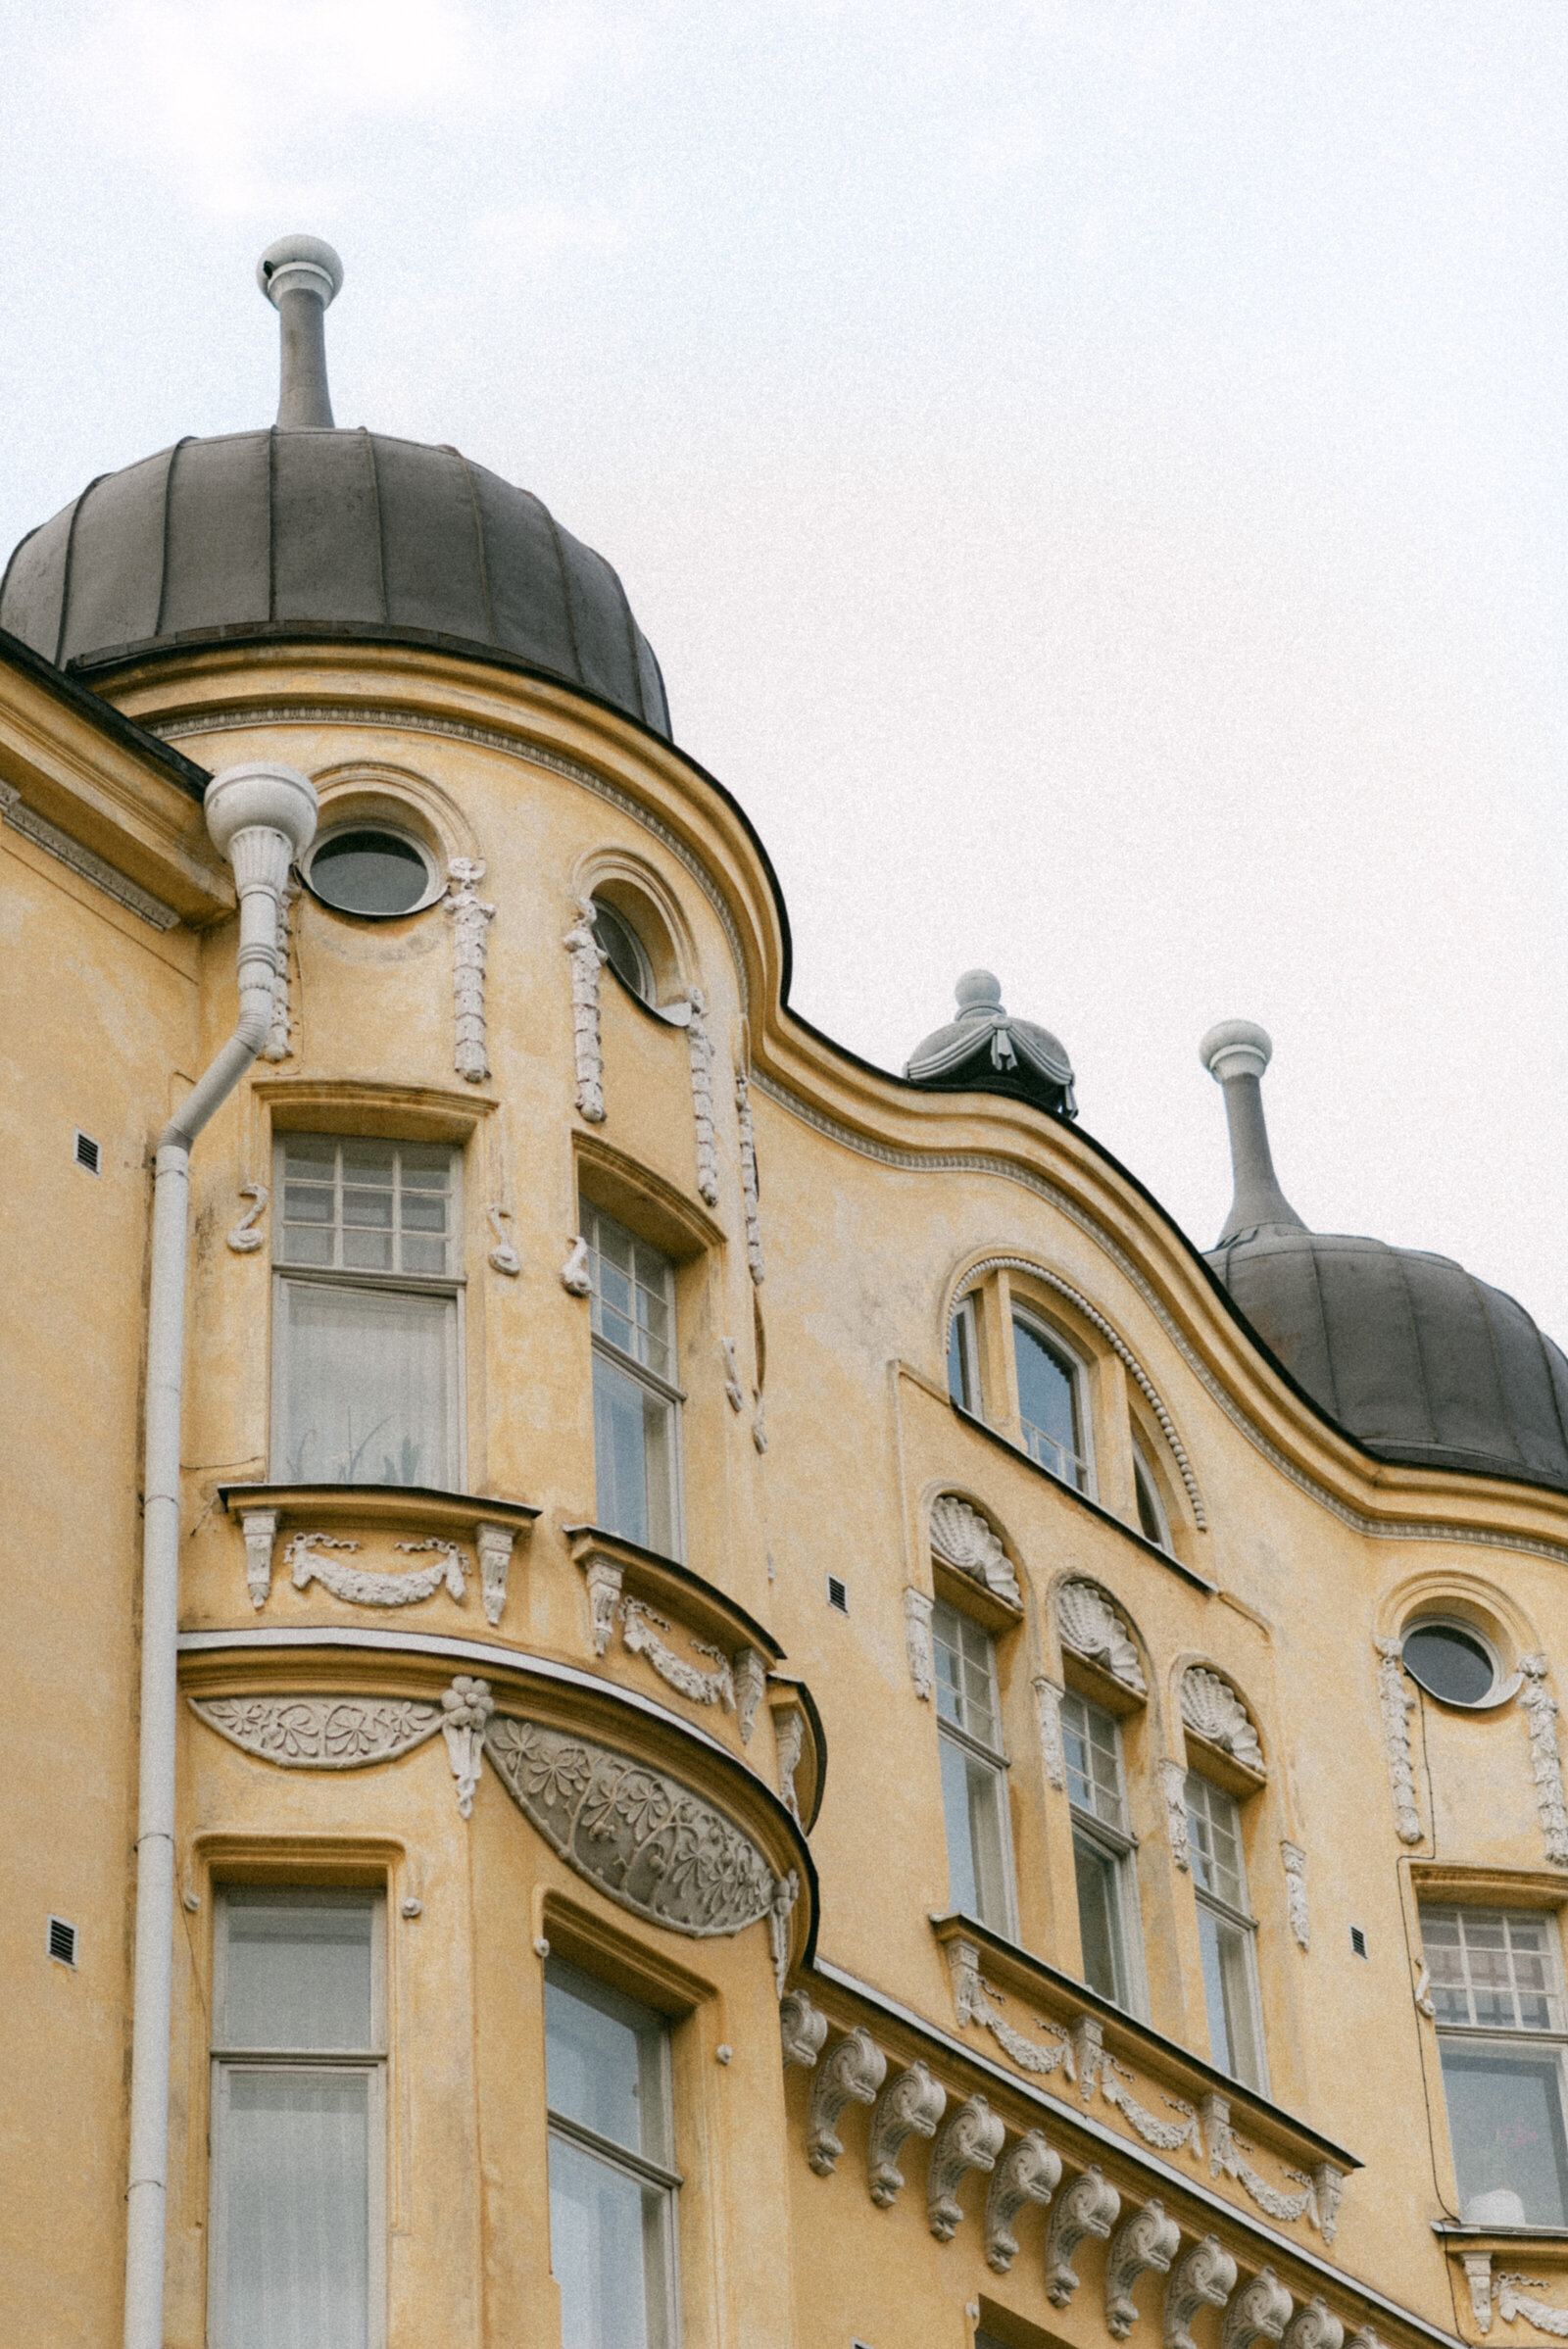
x=300, y=276
x=1236, y=1054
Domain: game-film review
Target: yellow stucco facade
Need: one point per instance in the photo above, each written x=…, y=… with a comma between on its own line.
x=762, y=1683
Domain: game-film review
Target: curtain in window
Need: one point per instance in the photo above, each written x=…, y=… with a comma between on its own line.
x=298, y=2210
x=365, y=1386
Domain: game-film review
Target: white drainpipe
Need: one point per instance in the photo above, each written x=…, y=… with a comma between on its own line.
x=261, y=817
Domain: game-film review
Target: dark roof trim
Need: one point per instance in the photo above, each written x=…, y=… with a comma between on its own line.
x=181, y=770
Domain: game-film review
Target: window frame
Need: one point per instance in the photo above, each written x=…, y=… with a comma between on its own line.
x=664, y=2179
x=1239, y=1918
x=370, y=2063
x=643, y=1374
x=1046, y=1334
x=450, y=1285
x=1550, y=2039
x=992, y=1759
x=1145, y=1490
x=964, y=1356
x=1116, y=1843
x=435, y=882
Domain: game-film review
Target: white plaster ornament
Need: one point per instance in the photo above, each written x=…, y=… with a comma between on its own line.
x=588, y=960
x=470, y=924
x=963, y=1540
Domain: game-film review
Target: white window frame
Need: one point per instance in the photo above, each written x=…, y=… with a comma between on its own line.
x=1145, y=1489
x=1550, y=2038
x=640, y=1373
x=964, y=1353
x=369, y=2063
x=1238, y=1916
x=1075, y=1469
x=992, y=1758
x=666, y=2180
x=451, y=1285
x=1115, y=1842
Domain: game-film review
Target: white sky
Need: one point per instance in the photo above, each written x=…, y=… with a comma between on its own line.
x=1094, y=474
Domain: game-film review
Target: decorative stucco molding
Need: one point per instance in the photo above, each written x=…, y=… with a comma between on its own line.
x=279, y=1039
x=470, y=927
x=734, y=1391
x=750, y=1196
x=971, y=2139
x=641, y=1630
x=699, y=1047
x=1029, y=2172
x=1293, y=1859
x=1314, y=2325
x=917, y=1641
x=1097, y=2068
x=575, y=1277
x=1259, y=2312
x=1144, y=2244
x=1397, y=1702
x=852, y=2073
x=780, y=1909
x=910, y=2105
x=1173, y=1785
x=1512, y=2304
x=1330, y=2185
x=1227, y=2158
x=1212, y=1707
x=1540, y=1709
x=466, y=1710
x=604, y=1579
x=642, y=1838
x=1090, y=2206
x=802, y=2029
x=1047, y=1712
x=759, y=1422
x=789, y=1733
x=1205, y=2279
x=1091, y=1626
x=973, y=2002
x=750, y=1684
x=319, y=1733
x=495, y=1544
x=357, y=1587
x=44, y=835
x=260, y=1527
x=1478, y=2275
x=962, y=1538
x=243, y=1238
x=503, y=1258
x=588, y=960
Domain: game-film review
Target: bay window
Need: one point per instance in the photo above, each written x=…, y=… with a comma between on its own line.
x=974, y=1788
x=636, y=1402
x=1101, y=1850
x=1227, y=1933
x=1496, y=1987
x=365, y=1340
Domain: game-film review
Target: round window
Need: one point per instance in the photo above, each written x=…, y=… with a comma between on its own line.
x=1453, y=1664
x=370, y=869
x=628, y=956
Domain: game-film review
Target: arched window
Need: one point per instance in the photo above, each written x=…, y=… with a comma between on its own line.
x=1051, y=1403
x=628, y=956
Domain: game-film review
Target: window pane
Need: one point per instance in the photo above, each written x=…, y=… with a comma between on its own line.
x=603, y=2059
x=963, y=1384
x=1151, y=1516
x=966, y=1690
x=1490, y=1968
x=365, y=1386
x=632, y=1429
x=298, y=1974
x=1093, y=1772
x=297, y=2204
x=364, y=1205
x=972, y=1810
x=608, y=2252
x=1214, y=1836
x=1099, y=1925
x=632, y=1294
x=1048, y=1399
x=1227, y=1954
x=1505, y=2119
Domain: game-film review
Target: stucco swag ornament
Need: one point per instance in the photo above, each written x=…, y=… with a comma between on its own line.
x=359, y=1586
x=1090, y=1627
x=962, y=1538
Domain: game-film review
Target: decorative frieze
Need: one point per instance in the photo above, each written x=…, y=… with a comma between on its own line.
x=1091, y=1626
x=1029, y=2172
x=1259, y=2312
x=1089, y=2208
x=466, y=1710
x=972, y=1997
x=802, y=2029
x=1514, y=2302
x=1144, y=2244
x=279, y=1039
x=243, y=1238
x=588, y=960
x=470, y=927
x=910, y=2105
x=358, y=1587
x=1228, y=2158
x=15, y=812
x=495, y=1544
x=319, y=1733
x=1293, y=1859
x=1540, y=1708
x=971, y=2139
x=1047, y=1713
x=1397, y=1702
x=1212, y=1707
x=641, y=1632
x=1173, y=1785
x=962, y=1538
x=700, y=1047
x=1205, y=2279
x=917, y=1641
x=750, y=1194
x=852, y=2073
x=1098, y=2068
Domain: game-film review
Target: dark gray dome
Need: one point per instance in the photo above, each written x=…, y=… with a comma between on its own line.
x=308, y=534
x=984, y=1050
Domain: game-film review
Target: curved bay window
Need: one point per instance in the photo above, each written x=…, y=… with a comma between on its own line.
x=1227, y=1933
x=1498, y=1989
x=1051, y=1403
x=974, y=1765
x=636, y=1402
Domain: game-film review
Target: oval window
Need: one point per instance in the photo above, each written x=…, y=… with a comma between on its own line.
x=1451, y=1663
x=367, y=869
x=628, y=956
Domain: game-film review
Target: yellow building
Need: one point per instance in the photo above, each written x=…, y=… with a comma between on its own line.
x=665, y=1690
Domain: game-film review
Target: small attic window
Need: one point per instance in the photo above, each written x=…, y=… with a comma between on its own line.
x=628, y=956
x=372, y=870
x=85, y=1153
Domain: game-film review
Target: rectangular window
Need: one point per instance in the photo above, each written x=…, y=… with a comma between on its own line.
x=365, y=1322
x=1496, y=1985
x=1227, y=1933
x=975, y=1789
x=1051, y=1405
x=1102, y=1850
x=636, y=1402
x=612, y=2184
x=964, y=1357
x=298, y=2125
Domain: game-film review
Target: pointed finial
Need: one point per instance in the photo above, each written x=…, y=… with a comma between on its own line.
x=1236, y=1054
x=300, y=276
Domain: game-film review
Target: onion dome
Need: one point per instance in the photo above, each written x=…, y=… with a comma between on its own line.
x=305, y=531
x=984, y=1050
x=1412, y=1355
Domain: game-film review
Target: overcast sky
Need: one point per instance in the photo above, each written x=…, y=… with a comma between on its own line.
x=1094, y=475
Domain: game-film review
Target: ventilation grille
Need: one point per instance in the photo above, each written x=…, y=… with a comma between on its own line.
x=86, y=1151
x=1358, y=1942
x=61, y=1942
x=838, y=1594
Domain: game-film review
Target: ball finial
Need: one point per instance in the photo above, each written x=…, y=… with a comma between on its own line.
x=300, y=265
x=1236, y=1048
x=978, y=989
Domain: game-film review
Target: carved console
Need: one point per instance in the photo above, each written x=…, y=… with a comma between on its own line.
x=378, y=1545
x=851, y=2073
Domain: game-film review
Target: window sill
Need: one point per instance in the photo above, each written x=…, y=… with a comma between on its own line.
x=1503, y=2238
x=1130, y=1533
x=659, y=1582
x=409, y=1509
